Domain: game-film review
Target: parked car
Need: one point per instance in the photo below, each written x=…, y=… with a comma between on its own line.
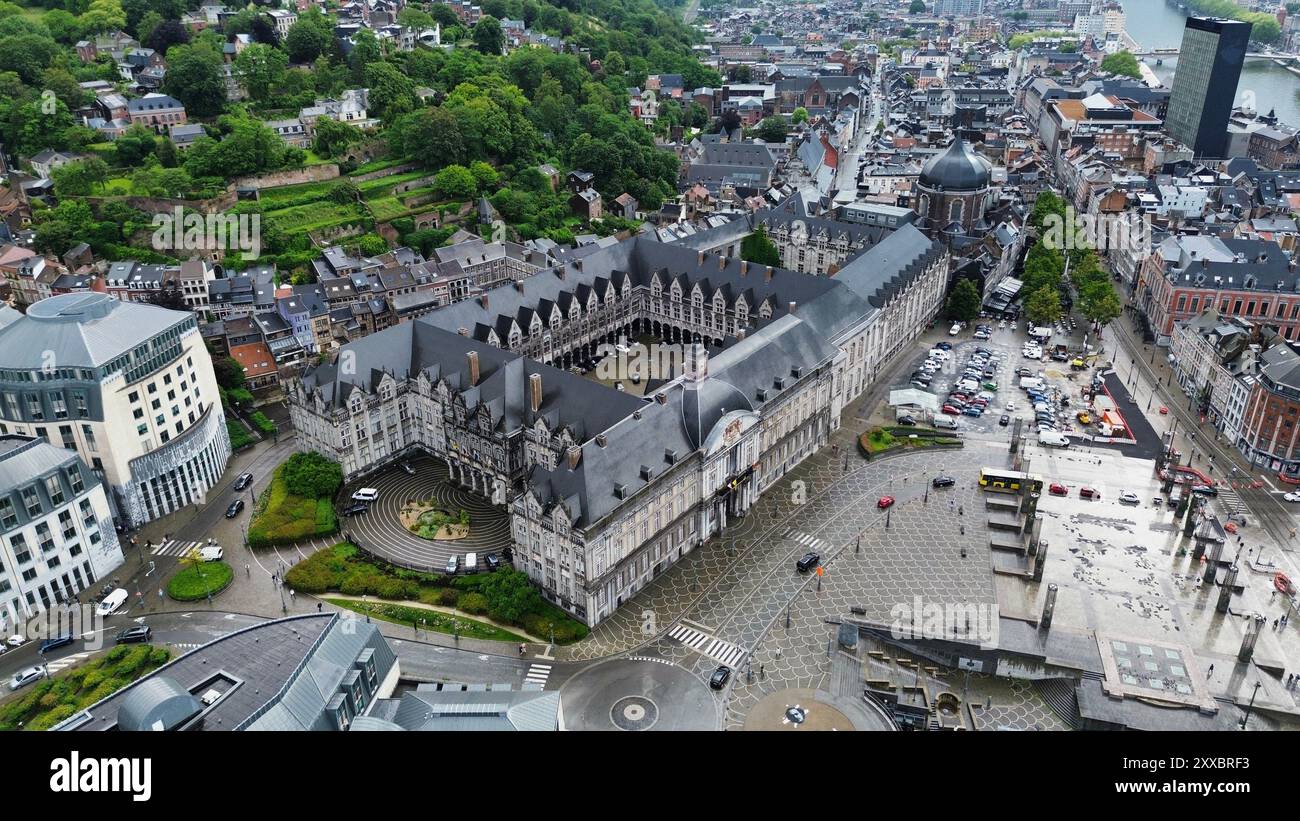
x=1292, y=496
x=1058, y=489
x=1205, y=490
x=1089, y=493
x=954, y=330
x=354, y=509
x=133, y=635
x=16, y=640
x=233, y=509
x=951, y=411
x=244, y=480
x=720, y=677
x=492, y=562
x=453, y=564
x=408, y=468
x=211, y=553
x=24, y=677
x=1128, y=497
x=906, y=420
x=943, y=481
x=974, y=410
x=807, y=562
x=56, y=642
x=884, y=502
x=1005, y=420
x=947, y=346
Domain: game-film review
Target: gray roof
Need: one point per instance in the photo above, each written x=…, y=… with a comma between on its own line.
x=24, y=459
x=498, y=709
x=83, y=330
x=957, y=169
x=889, y=265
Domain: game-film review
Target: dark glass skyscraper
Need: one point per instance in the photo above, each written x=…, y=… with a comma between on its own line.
x=1205, y=83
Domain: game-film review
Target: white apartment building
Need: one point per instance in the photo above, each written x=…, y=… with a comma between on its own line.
x=129, y=387
x=56, y=530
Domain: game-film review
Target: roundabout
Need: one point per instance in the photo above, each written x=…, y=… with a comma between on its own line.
x=638, y=694
x=380, y=530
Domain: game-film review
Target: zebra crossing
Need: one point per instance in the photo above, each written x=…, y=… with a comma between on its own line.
x=703, y=643
x=1231, y=501
x=538, y=674
x=185, y=645
x=64, y=662
x=174, y=547
x=806, y=540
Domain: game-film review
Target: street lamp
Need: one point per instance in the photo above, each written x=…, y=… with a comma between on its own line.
x=1249, y=706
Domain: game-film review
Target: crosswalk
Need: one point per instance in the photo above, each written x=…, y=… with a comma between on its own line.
x=1231, y=501
x=804, y=539
x=185, y=645
x=65, y=662
x=174, y=547
x=707, y=645
x=537, y=674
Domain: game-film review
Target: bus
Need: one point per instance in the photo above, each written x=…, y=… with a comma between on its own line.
x=1009, y=481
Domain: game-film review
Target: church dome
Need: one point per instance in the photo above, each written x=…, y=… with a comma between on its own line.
x=957, y=169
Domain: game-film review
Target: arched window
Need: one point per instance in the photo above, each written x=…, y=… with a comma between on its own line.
x=956, y=210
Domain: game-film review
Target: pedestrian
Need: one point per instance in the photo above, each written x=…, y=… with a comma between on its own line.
x=522, y=649
x=1289, y=678
x=291, y=592
x=1275, y=622
x=318, y=607
x=248, y=571
x=1210, y=672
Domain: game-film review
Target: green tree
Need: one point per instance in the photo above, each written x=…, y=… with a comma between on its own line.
x=488, y=38
x=510, y=596
x=773, y=130
x=311, y=474
x=485, y=176
x=800, y=115
x=432, y=137
x=79, y=179
x=365, y=51
x=260, y=68
x=757, y=248
x=392, y=93
x=1122, y=63
x=309, y=37
x=228, y=372
x=1043, y=306
x=333, y=136
x=194, y=76
x=455, y=182
x=917, y=7
x=964, y=301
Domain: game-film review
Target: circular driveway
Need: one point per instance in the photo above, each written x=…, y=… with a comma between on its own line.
x=637, y=694
x=380, y=530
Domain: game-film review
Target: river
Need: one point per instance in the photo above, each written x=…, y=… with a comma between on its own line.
x=1155, y=24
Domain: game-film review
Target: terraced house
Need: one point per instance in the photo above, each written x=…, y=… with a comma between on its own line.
x=607, y=489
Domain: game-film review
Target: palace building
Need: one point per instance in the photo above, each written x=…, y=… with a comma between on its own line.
x=606, y=489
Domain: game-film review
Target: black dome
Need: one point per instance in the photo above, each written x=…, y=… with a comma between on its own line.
x=957, y=169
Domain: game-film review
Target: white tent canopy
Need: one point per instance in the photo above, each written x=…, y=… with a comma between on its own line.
x=912, y=397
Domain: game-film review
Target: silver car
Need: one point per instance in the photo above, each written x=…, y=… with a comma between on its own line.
x=24, y=677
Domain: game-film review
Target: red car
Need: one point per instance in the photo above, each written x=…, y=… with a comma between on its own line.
x=1058, y=489
x=1164, y=410
x=885, y=501
x=1088, y=493
x=951, y=410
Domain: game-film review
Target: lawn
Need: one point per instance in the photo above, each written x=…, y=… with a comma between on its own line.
x=282, y=517
x=51, y=700
x=432, y=620
x=197, y=581
x=239, y=435
x=313, y=216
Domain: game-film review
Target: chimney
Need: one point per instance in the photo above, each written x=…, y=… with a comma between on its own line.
x=740, y=334
x=722, y=263
x=534, y=391
x=767, y=275
x=699, y=260
x=602, y=440
x=744, y=267
x=573, y=456
x=577, y=265
x=483, y=300
x=559, y=271
x=472, y=360
x=519, y=285
x=792, y=306
x=661, y=398
x=463, y=331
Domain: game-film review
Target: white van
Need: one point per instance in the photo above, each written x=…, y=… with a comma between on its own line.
x=471, y=562
x=945, y=422
x=1028, y=382
x=111, y=602
x=1055, y=440
x=365, y=494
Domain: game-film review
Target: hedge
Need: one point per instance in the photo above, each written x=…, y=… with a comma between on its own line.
x=345, y=569
x=53, y=699
x=262, y=423
x=429, y=620
x=239, y=437
x=283, y=517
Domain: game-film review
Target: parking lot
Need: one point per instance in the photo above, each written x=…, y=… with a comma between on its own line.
x=1005, y=346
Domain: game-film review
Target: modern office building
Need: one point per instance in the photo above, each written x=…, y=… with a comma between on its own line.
x=56, y=531
x=129, y=387
x=1205, y=83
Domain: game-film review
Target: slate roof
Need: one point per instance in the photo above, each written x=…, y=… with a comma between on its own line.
x=83, y=330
